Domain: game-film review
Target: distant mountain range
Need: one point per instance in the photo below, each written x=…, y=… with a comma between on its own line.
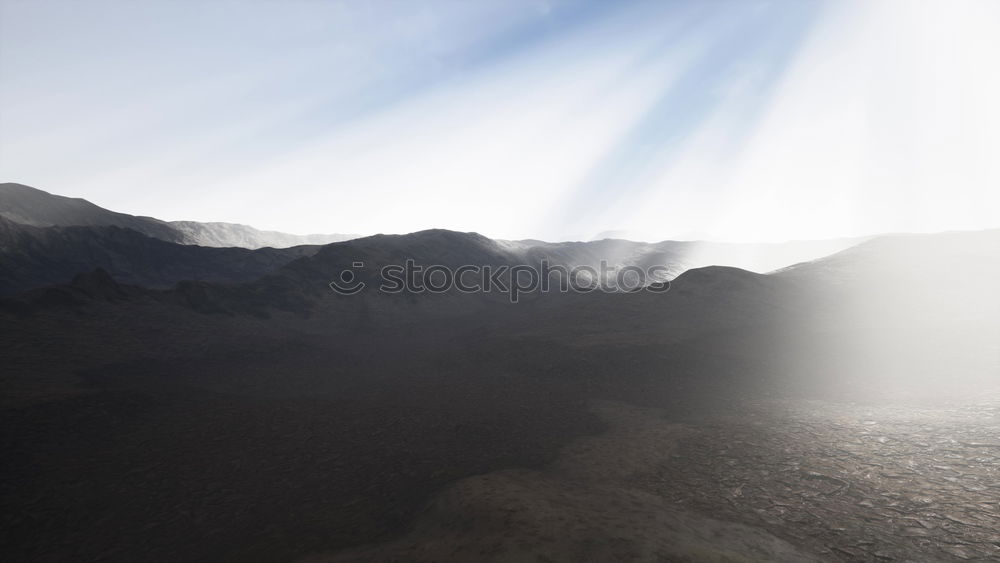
x=34, y=207
x=48, y=239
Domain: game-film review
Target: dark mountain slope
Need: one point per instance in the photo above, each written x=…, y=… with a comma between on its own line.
x=425, y=248
x=33, y=256
x=31, y=206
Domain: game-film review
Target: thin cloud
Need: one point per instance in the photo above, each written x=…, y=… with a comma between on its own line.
x=727, y=120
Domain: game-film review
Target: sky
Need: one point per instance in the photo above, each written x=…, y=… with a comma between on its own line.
x=724, y=120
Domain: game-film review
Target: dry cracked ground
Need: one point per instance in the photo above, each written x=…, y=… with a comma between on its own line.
x=778, y=480
x=851, y=482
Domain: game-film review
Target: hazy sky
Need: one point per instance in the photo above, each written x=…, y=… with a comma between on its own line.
x=739, y=120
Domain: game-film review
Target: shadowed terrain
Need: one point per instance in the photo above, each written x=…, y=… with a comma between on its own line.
x=726, y=419
x=34, y=257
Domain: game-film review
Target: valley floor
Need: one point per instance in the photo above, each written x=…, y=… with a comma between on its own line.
x=512, y=470
x=779, y=481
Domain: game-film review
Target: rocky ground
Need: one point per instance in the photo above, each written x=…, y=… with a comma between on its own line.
x=782, y=480
x=848, y=481
x=593, y=503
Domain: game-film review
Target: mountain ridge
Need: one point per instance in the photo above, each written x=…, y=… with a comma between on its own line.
x=33, y=257
x=31, y=206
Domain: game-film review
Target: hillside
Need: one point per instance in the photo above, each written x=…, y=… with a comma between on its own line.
x=34, y=207
x=32, y=257
x=299, y=422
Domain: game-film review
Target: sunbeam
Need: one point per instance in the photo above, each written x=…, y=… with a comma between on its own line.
x=739, y=121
